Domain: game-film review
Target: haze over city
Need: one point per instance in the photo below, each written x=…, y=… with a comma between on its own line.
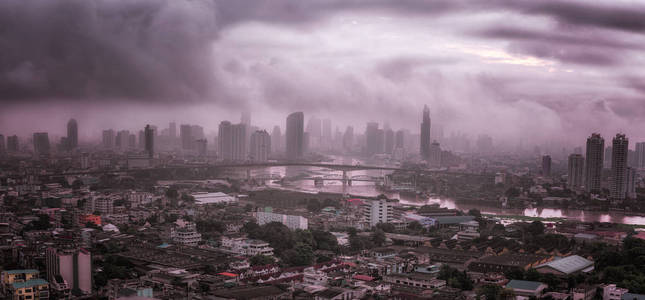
x=322, y=149
x=556, y=71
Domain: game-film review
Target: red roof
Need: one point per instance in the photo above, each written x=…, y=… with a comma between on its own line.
x=227, y=274
x=363, y=277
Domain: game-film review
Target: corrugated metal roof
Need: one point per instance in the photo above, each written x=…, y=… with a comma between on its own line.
x=569, y=264
x=523, y=285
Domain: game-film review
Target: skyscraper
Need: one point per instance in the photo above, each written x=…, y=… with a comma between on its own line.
x=238, y=142
x=202, y=147
x=149, y=136
x=399, y=140
x=593, y=163
x=108, y=139
x=276, y=139
x=348, y=138
x=630, y=185
x=73, y=265
x=425, y=134
x=2, y=144
x=389, y=141
x=326, y=134
x=295, y=136
x=575, y=171
x=41, y=143
x=186, y=136
x=260, y=146
x=434, y=159
x=640, y=155
x=618, y=183
x=72, y=134
x=546, y=165
x=12, y=144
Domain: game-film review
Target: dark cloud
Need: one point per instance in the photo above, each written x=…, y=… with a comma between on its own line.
x=401, y=69
x=115, y=49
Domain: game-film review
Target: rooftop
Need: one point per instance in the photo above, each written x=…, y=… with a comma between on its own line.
x=569, y=264
x=523, y=285
x=22, y=271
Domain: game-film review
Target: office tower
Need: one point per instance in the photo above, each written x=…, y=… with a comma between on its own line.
x=326, y=134
x=12, y=143
x=122, y=139
x=2, y=144
x=389, y=141
x=225, y=141
x=108, y=139
x=425, y=134
x=238, y=144
x=399, y=140
x=149, y=140
x=73, y=265
x=196, y=133
x=593, y=163
x=575, y=171
x=72, y=134
x=485, y=144
x=260, y=146
x=607, y=158
x=630, y=185
x=314, y=131
x=276, y=139
x=141, y=143
x=434, y=159
x=546, y=165
x=186, y=136
x=374, y=139
x=618, y=184
x=132, y=141
x=41, y=143
x=640, y=155
x=295, y=136
x=202, y=147
x=348, y=138
x=172, y=129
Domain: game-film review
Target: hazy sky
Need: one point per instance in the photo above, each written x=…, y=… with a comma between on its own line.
x=548, y=70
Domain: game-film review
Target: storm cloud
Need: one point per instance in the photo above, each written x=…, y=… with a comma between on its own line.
x=554, y=69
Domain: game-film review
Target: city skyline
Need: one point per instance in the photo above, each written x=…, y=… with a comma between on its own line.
x=549, y=77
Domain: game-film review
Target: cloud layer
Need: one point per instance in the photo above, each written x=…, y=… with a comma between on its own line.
x=552, y=70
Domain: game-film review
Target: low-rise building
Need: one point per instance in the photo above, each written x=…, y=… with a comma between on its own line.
x=185, y=233
x=526, y=289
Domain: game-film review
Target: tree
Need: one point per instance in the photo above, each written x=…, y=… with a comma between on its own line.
x=378, y=237
x=301, y=255
x=490, y=291
x=532, y=275
x=415, y=226
x=325, y=240
x=172, y=193
x=314, y=205
x=535, y=228
x=455, y=278
x=387, y=227
x=261, y=260
x=475, y=213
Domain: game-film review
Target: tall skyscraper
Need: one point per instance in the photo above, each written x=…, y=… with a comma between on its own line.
x=575, y=171
x=186, y=136
x=149, y=136
x=640, y=155
x=314, y=131
x=593, y=163
x=260, y=146
x=630, y=186
x=618, y=183
x=546, y=165
x=12, y=144
x=374, y=139
x=425, y=134
x=2, y=144
x=41, y=143
x=434, y=159
x=295, y=136
x=108, y=139
x=389, y=141
x=326, y=134
x=276, y=139
x=399, y=140
x=225, y=141
x=238, y=133
x=72, y=134
x=348, y=138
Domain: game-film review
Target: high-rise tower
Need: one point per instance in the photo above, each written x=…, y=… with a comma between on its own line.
x=593, y=163
x=72, y=134
x=295, y=135
x=425, y=134
x=618, y=184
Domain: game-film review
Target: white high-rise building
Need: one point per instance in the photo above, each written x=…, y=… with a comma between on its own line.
x=260, y=147
x=291, y=221
x=576, y=171
x=378, y=211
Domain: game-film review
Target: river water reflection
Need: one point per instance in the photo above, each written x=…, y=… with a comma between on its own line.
x=365, y=188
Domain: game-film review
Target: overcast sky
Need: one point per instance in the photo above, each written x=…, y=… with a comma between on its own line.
x=547, y=70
